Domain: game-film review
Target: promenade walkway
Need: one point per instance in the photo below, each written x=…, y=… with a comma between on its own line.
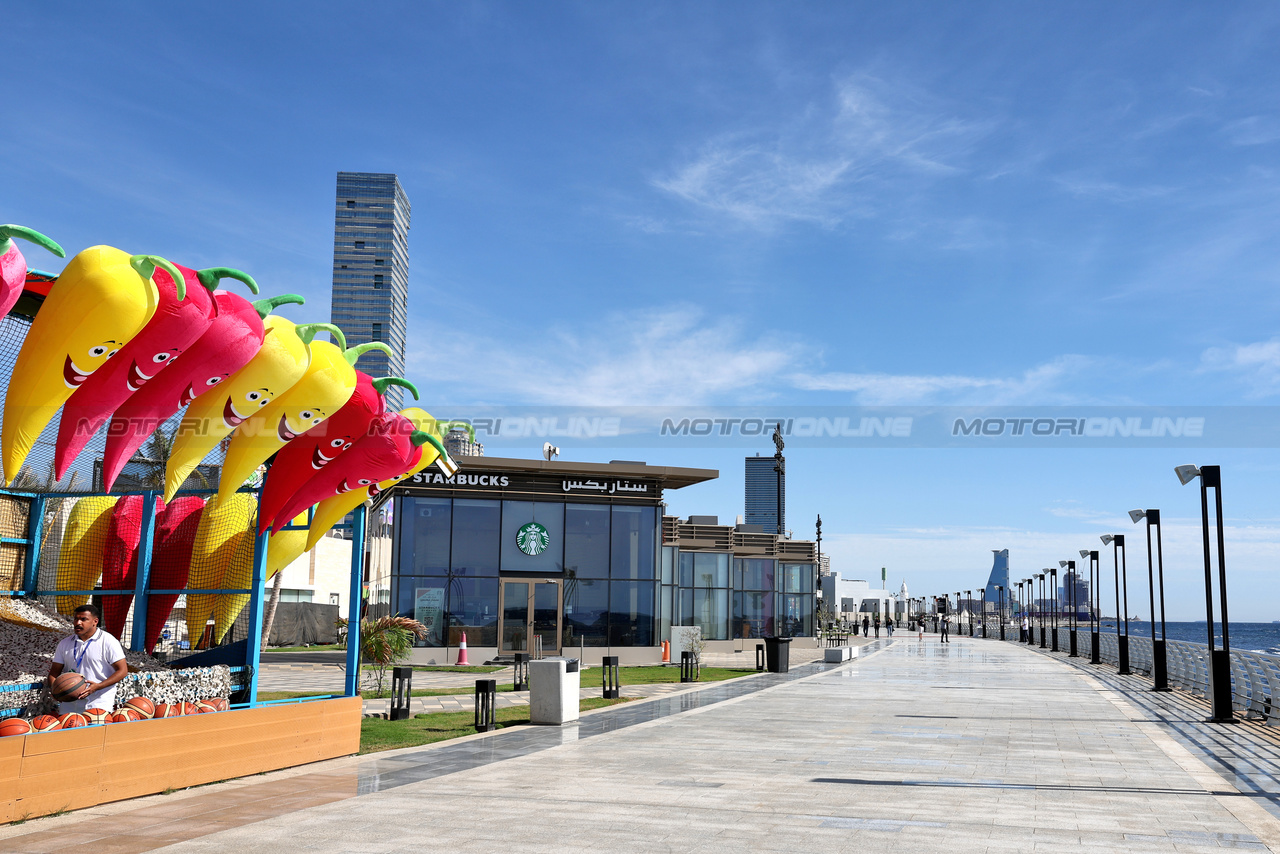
x=972, y=747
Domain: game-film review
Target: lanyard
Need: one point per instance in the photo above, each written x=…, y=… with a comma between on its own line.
x=83, y=652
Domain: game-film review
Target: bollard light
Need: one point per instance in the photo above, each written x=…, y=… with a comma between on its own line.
x=1159, y=653
x=1219, y=659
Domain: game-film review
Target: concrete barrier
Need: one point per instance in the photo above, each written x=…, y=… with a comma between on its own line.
x=837, y=654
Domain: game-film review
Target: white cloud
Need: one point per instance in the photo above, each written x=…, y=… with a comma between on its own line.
x=1254, y=130
x=822, y=164
x=673, y=356
x=1257, y=365
x=1037, y=384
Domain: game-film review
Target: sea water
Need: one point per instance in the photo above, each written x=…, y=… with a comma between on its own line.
x=1255, y=637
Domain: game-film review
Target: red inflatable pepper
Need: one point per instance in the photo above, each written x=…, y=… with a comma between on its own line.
x=231, y=340
x=171, y=560
x=120, y=560
x=391, y=446
x=13, y=267
x=298, y=461
x=184, y=313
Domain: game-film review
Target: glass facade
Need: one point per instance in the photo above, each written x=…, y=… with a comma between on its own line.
x=758, y=598
x=762, y=486
x=371, y=270
x=451, y=552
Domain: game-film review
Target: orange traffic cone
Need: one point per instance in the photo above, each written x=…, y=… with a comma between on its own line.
x=666, y=652
x=462, y=650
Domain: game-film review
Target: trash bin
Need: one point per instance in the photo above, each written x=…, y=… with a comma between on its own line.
x=777, y=654
x=553, y=691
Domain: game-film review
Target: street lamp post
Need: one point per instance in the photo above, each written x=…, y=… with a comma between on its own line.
x=1071, y=580
x=1000, y=599
x=1122, y=583
x=1159, y=655
x=1095, y=656
x=984, y=612
x=1053, y=595
x=968, y=598
x=1027, y=610
x=1040, y=610
x=1219, y=659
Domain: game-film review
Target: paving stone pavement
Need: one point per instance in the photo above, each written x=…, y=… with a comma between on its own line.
x=974, y=746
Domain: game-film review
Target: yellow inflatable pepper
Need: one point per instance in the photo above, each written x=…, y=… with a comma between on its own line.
x=222, y=525
x=286, y=546
x=210, y=418
x=238, y=575
x=101, y=299
x=332, y=510
x=80, y=556
x=326, y=386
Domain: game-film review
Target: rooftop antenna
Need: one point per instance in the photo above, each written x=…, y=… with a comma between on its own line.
x=549, y=451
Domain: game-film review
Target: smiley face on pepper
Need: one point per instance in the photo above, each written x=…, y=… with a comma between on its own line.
x=279, y=364
x=74, y=374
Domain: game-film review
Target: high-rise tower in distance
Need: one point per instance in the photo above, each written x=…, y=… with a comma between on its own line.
x=371, y=270
x=762, y=501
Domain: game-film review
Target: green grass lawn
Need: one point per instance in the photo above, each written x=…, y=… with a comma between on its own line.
x=378, y=735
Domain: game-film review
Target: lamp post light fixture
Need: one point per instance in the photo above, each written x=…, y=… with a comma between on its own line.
x=1122, y=616
x=1053, y=596
x=1159, y=655
x=1072, y=586
x=1219, y=659
x=1040, y=608
x=1095, y=656
x=1000, y=600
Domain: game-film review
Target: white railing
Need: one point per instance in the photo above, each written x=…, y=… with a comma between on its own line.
x=1255, y=677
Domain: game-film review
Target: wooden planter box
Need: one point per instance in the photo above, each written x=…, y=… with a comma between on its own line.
x=42, y=773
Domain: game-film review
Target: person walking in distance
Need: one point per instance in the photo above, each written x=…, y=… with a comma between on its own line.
x=944, y=628
x=877, y=625
x=920, y=629
x=1026, y=627
x=888, y=625
x=866, y=625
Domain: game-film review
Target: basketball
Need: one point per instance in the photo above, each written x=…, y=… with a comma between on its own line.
x=126, y=714
x=96, y=716
x=220, y=704
x=168, y=710
x=189, y=709
x=204, y=707
x=144, y=707
x=71, y=720
x=66, y=686
x=45, y=723
x=14, y=726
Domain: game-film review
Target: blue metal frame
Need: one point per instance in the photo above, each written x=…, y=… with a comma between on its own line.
x=141, y=593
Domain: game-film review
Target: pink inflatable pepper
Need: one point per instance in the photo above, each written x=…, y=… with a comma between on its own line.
x=231, y=340
x=13, y=267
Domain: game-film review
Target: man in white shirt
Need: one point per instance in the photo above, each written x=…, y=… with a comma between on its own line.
x=95, y=655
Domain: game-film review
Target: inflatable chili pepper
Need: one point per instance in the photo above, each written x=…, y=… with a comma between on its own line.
x=333, y=509
x=232, y=339
x=100, y=301
x=306, y=455
x=120, y=560
x=185, y=312
x=176, y=528
x=326, y=386
x=13, y=267
x=285, y=547
x=391, y=446
x=222, y=525
x=281, y=362
x=80, y=556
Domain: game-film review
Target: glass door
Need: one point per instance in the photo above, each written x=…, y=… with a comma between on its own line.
x=530, y=608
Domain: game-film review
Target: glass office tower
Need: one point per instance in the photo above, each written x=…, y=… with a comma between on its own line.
x=371, y=270
x=762, y=502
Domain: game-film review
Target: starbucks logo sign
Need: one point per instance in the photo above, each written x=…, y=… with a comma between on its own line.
x=532, y=539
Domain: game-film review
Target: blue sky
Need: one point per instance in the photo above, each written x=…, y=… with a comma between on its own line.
x=739, y=204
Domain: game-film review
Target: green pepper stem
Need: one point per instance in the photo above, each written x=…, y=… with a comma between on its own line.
x=419, y=438
x=360, y=349
x=8, y=231
x=146, y=267
x=210, y=277
x=270, y=304
x=307, y=332
x=380, y=385
x=439, y=446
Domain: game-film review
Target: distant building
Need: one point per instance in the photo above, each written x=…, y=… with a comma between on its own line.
x=999, y=575
x=458, y=443
x=371, y=270
x=762, y=500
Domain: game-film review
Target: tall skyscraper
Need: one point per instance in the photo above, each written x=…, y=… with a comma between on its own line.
x=762, y=494
x=371, y=270
x=999, y=575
